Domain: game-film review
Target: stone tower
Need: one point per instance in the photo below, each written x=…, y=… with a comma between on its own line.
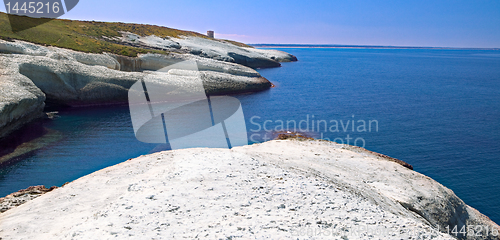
x=210, y=34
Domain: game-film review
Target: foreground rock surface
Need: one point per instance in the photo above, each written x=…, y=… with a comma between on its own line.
x=279, y=189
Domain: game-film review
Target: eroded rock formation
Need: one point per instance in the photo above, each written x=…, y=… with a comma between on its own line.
x=31, y=74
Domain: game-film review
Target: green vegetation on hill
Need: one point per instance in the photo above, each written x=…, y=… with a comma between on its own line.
x=87, y=36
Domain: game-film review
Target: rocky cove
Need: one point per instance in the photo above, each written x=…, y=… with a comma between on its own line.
x=31, y=74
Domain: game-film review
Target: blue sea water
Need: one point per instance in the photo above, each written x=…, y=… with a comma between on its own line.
x=438, y=110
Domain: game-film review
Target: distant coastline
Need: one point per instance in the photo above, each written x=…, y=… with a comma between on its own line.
x=262, y=45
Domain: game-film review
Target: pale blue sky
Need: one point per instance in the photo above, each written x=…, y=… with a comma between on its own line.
x=390, y=22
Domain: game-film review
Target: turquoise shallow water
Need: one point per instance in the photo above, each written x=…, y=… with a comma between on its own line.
x=436, y=109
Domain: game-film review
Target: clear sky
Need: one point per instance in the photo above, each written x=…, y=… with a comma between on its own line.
x=390, y=22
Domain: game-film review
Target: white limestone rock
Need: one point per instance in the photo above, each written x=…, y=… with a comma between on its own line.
x=30, y=73
x=155, y=62
x=92, y=59
x=21, y=47
x=73, y=83
x=284, y=189
x=211, y=48
x=26, y=48
x=20, y=100
x=276, y=55
x=158, y=42
x=225, y=51
x=147, y=41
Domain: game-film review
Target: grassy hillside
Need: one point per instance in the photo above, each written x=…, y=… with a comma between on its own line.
x=86, y=36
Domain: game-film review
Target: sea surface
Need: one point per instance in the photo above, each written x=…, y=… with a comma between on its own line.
x=438, y=110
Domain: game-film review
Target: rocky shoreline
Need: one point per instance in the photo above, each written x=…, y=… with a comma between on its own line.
x=277, y=189
x=31, y=74
x=22, y=196
x=294, y=187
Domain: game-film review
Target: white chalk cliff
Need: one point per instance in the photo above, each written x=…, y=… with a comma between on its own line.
x=209, y=48
x=283, y=189
x=31, y=74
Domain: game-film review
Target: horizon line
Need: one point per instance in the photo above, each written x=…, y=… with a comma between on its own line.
x=305, y=45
